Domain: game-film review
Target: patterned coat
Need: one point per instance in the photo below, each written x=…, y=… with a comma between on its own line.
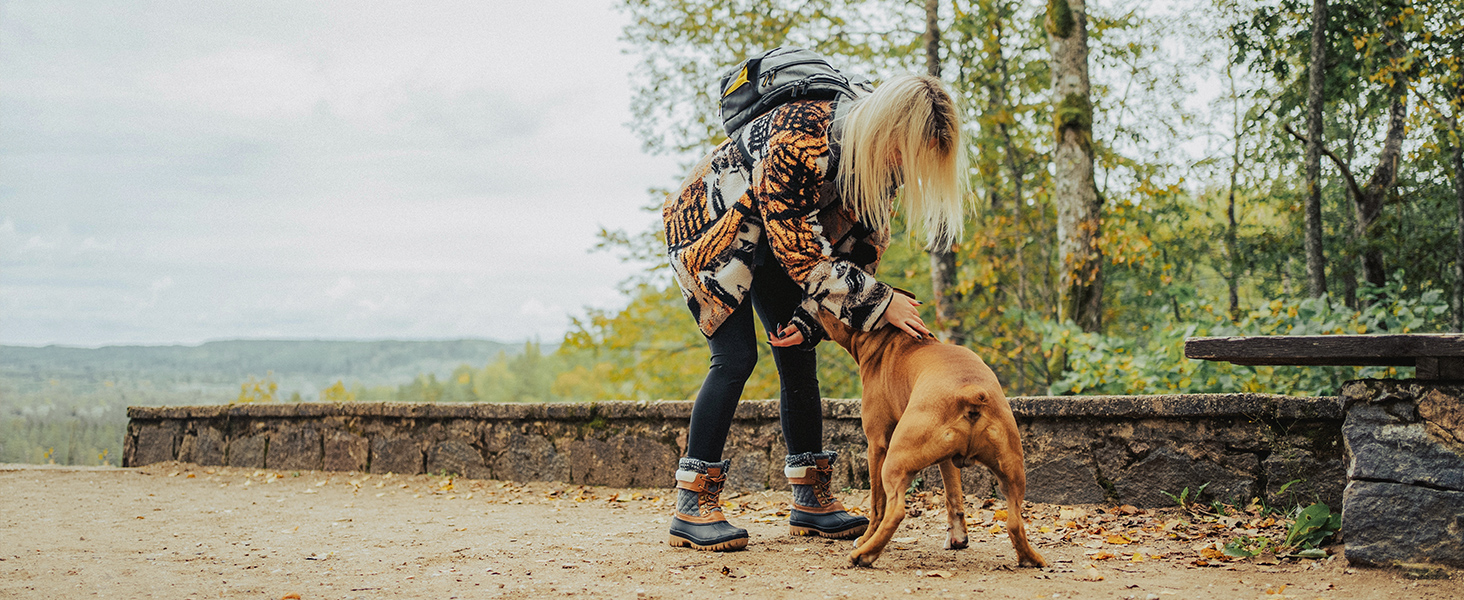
x=789, y=206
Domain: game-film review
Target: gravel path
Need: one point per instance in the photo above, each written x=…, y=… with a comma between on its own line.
x=182, y=531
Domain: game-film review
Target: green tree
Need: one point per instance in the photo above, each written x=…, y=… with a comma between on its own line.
x=259, y=390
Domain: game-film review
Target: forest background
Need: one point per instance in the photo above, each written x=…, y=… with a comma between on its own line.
x=1254, y=168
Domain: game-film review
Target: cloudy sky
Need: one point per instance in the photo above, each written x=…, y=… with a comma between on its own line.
x=183, y=171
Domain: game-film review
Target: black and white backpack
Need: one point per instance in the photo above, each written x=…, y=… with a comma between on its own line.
x=780, y=76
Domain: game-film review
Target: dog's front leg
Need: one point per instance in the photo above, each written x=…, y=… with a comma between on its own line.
x=950, y=475
x=878, y=447
x=873, y=545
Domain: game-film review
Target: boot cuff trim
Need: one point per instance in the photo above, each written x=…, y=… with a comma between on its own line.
x=701, y=466
x=809, y=459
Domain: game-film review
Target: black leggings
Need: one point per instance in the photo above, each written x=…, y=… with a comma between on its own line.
x=734, y=353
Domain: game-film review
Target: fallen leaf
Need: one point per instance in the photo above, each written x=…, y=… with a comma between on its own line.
x=1090, y=574
x=1266, y=558
x=290, y=596
x=1000, y=515
x=733, y=572
x=941, y=574
x=1119, y=539
x=1277, y=591
x=1210, y=553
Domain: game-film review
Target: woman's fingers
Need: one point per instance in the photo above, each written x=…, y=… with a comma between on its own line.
x=789, y=335
x=793, y=339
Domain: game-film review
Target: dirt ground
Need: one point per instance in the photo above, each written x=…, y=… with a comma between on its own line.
x=183, y=531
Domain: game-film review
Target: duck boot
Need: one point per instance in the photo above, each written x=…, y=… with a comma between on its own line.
x=815, y=509
x=698, y=522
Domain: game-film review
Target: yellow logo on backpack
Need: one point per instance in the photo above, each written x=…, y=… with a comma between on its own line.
x=737, y=83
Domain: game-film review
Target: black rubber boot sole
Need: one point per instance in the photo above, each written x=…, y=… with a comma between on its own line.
x=837, y=526
x=720, y=536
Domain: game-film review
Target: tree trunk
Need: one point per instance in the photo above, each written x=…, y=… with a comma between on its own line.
x=942, y=260
x=1316, y=261
x=1370, y=202
x=1080, y=275
x=1232, y=229
x=1458, y=320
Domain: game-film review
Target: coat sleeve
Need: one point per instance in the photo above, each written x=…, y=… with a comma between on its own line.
x=787, y=187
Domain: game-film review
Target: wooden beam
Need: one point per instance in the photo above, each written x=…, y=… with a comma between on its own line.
x=1402, y=350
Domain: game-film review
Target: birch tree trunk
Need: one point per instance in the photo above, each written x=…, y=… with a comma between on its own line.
x=1080, y=275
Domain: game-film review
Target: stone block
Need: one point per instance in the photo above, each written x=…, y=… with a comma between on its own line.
x=1064, y=480
x=248, y=451
x=204, y=446
x=621, y=461
x=1404, y=501
x=1165, y=470
x=296, y=448
x=517, y=455
x=1316, y=480
x=749, y=471
x=1387, y=524
x=346, y=451
x=457, y=456
x=156, y=442
x=1389, y=440
x=400, y=455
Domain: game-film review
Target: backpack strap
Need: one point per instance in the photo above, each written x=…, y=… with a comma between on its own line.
x=836, y=137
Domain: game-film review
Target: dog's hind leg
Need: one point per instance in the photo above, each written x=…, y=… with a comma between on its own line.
x=950, y=476
x=1013, y=477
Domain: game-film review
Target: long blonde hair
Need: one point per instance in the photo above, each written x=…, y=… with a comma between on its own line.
x=911, y=117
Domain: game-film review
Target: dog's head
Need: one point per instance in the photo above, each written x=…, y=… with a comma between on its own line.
x=842, y=334
x=846, y=336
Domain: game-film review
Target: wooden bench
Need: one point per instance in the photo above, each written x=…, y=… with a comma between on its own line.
x=1404, y=500
x=1435, y=355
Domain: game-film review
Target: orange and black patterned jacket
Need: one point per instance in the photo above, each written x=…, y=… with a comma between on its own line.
x=788, y=202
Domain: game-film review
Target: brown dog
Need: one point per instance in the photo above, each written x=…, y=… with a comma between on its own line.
x=925, y=403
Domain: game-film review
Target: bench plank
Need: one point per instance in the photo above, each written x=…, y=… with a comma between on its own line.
x=1401, y=350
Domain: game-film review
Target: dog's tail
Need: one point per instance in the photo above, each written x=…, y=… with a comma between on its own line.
x=973, y=395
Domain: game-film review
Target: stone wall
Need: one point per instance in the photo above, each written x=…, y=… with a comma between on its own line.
x=1404, y=502
x=1128, y=449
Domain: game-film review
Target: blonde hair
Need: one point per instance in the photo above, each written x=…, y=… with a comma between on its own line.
x=906, y=134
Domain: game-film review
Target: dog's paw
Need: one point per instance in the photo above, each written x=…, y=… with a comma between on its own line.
x=1035, y=560
x=862, y=560
x=956, y=542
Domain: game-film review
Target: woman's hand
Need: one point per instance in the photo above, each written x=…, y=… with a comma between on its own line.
x=904, y=312
x=789, y=335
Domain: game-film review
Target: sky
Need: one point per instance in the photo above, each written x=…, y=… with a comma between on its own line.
x=183, y=171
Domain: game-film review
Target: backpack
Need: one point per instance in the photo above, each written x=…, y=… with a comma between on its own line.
x=780, y=76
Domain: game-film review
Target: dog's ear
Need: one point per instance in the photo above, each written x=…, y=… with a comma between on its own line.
x=837, y=330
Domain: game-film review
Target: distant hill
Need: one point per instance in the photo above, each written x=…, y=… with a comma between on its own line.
x=371, y=363
x=68, y=404
x=304, y=366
